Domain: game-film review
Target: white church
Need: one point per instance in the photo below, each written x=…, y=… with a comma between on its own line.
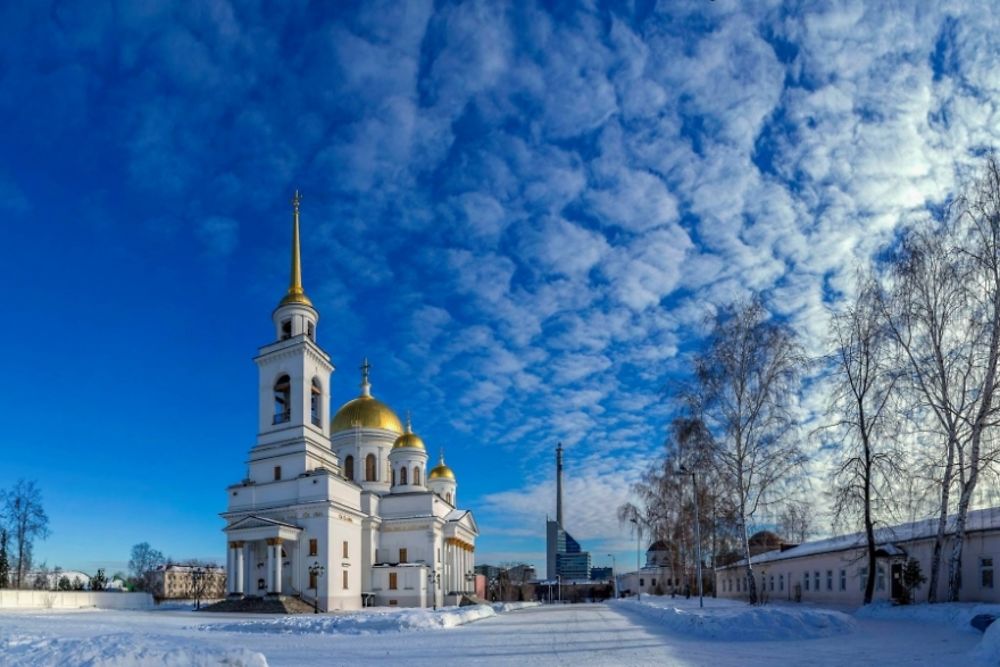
x=339, y=510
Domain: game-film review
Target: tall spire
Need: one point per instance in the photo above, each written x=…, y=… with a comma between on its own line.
x=366, y=386
x=295, y=292
x=559, y=451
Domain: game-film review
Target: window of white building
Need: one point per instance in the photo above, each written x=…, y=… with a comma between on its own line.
x=986, y=572
x=829, y=580
x=805, y=581
x=781, y=582
x=843, y=580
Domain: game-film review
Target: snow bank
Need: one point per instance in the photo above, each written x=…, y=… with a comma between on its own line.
x=988, y=649
x=502, y=607
x=739, y=622
x=119, y=650
x=368, y=622
x=957, y=614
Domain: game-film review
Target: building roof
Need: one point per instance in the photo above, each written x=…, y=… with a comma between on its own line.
x=658, y=545
x=885, y=536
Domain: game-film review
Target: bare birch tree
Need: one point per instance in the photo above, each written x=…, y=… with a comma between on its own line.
x=863, y=404
x=944, y=314
x=26, y=518
x=745, y=383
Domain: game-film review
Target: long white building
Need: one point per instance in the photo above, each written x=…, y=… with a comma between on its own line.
x=834, y=570
x=339, y=508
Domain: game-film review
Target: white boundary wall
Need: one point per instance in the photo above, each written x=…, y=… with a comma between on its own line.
x=17, y=599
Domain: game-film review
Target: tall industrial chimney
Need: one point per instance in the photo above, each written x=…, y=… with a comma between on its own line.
x=559, y=484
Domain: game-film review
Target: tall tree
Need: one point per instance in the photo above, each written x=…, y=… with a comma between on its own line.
x=863, y=407
x=143, y=561
x=945, y=317
x=745, y=383
x=27, y=521
x=4, y=558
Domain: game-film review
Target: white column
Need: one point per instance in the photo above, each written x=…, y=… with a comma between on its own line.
x=230, y=566
x=269, y=576
x=277, y=568
x=240, y=574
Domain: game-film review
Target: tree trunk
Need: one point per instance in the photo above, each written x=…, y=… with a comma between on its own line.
x=942, y=524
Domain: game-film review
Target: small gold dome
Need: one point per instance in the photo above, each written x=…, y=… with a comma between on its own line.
x=409, y=439
x=365, y=412
x=441, y=471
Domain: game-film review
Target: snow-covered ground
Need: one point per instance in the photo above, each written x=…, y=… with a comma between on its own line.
x=729, y=620
x=586, y=634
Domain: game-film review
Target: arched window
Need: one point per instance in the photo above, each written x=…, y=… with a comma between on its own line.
x=447, y=497
x=315, y=402
x=416, y=476
x=402, y=476
x=370, y=468
x=282, y=400
x=394, y=477
x=349, y=467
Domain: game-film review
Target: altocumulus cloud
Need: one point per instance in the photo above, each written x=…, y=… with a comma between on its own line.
x=551, y=200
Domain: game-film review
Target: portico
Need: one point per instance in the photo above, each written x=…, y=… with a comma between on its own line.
x=259, y=549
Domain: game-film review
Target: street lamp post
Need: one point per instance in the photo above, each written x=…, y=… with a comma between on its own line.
x=315, y=572
x=559, y=587
x=470, y=576
x=614, y=577
x=638, y=536
x=197, y=583
x=682, y=470
x=434, y=577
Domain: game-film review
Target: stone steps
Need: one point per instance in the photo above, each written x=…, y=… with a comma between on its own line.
x=271, y=604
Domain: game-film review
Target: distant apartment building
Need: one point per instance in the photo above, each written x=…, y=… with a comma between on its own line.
x=834, y=570
x=187, y=582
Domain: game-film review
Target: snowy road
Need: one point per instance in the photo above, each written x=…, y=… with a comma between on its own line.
x=563, y=635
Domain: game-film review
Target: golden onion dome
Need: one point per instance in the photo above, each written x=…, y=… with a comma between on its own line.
x=365, y=412
x=441, y=471
x=409, y=440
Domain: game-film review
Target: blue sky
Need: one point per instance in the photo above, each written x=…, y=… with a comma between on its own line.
x=520, y=213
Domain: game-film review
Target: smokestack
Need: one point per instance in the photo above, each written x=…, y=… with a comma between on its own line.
x=559, y=484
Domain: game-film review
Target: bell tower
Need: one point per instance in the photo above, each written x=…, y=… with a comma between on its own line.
x=294, y=386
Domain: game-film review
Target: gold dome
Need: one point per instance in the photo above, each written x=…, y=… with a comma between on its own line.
x=365, y=412
x=409, y=440
x=441, y=471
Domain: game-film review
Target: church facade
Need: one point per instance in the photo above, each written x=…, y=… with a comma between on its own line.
x=340, y=509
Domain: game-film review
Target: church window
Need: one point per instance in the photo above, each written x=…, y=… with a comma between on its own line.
x=985, y=572
x=313, y=547
x=402, y=476
x=392, y=581
x=416, y=476
x=402, y=555
x=349, y=467
x=394, y=478
x=370, y=468
x=345, y=580
x=282, y=400
x=277, y=473
x=447, y=497
x=311, y=331
x=286, y=329
x=316, y=401
x=345, y=549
